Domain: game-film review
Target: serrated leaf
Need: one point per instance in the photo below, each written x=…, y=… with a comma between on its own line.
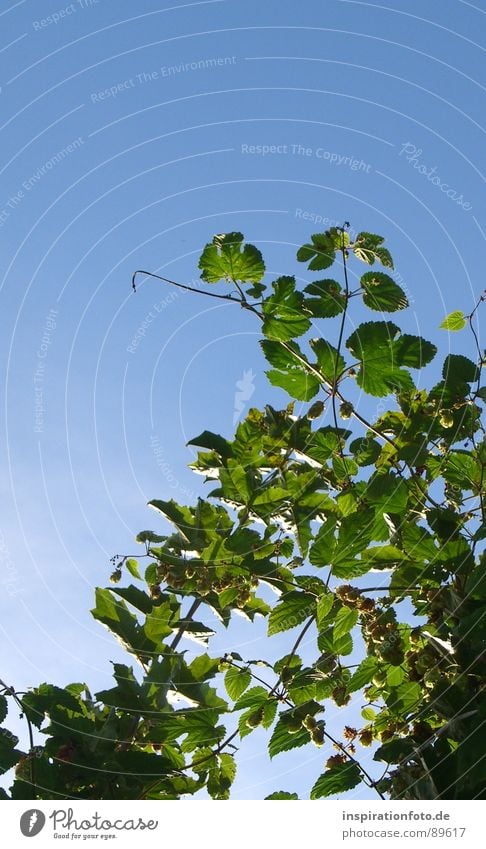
x=363, y=674
x=281, y=795
x=345, y=621
x=327, y=299
x=366, y=451
x=387, y=492
x=331, y=363
x=283, y=311
x=320, y=252
x=282, y=741
x=255, y=697
x=322, y=550
x=339, y=779
x=225, y=259
x=157, y=623
x=298, y=384
x=3, y=708
x=324, y=606
x=236, y=682
x=293, y=609
x=382, y=293
x=457, y=369
x=292, y=370
x=456, y=320
x=381, y=353
x=413, y=351
x=368, y=247
x=396, y=751
x=213, y=442
x=9, y=755
x=405, y=698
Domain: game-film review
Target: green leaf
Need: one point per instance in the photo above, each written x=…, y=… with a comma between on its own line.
x=457, y=369
x=366, y=451
x=296, y=382
x=413, y=351
x=324, y=606
x=236, y=681
x=396, y=751
x=387, y=492
x=157, y=623
x=320, y=252
x=213, y=442
x=368, y=248
x=224, y=259
x=329, y=360
x=132, y=567
x=293, y=374
x=9, y=755
x=149, y=536
x=327, y=642
x=3, y=708
x=293, y=609
x=281, y=794
x=454, y=321
x=178, y=514
x=363, y=674
x=346, y=619
x=322, y=550
x=381, y=353
x=327, y=300
x=283, y=311
x=136, y=597
x=283, y=741
x=255, y=697
x=115, y=615
x=382, y=293
x=405, y=698
x=339, y=779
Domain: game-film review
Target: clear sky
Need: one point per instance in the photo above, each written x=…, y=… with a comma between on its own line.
x=130, y=134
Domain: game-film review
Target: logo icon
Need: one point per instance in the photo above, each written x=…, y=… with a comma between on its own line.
x=32, y=822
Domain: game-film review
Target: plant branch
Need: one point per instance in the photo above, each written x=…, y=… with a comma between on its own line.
x=11, y=692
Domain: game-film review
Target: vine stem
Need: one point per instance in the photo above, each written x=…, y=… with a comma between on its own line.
x=180, y=633
x=181, y=286
x=338, y=354
x=11, y=692
x=478, y=386
x=293, y=651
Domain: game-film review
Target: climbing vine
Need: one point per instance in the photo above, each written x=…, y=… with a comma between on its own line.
x=369, y=532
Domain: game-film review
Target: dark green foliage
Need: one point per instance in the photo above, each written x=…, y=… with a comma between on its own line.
x=302, y=504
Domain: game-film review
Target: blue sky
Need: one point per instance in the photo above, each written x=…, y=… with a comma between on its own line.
x=130, y=135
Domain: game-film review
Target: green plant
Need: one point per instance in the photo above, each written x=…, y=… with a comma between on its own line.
x=313, y=512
